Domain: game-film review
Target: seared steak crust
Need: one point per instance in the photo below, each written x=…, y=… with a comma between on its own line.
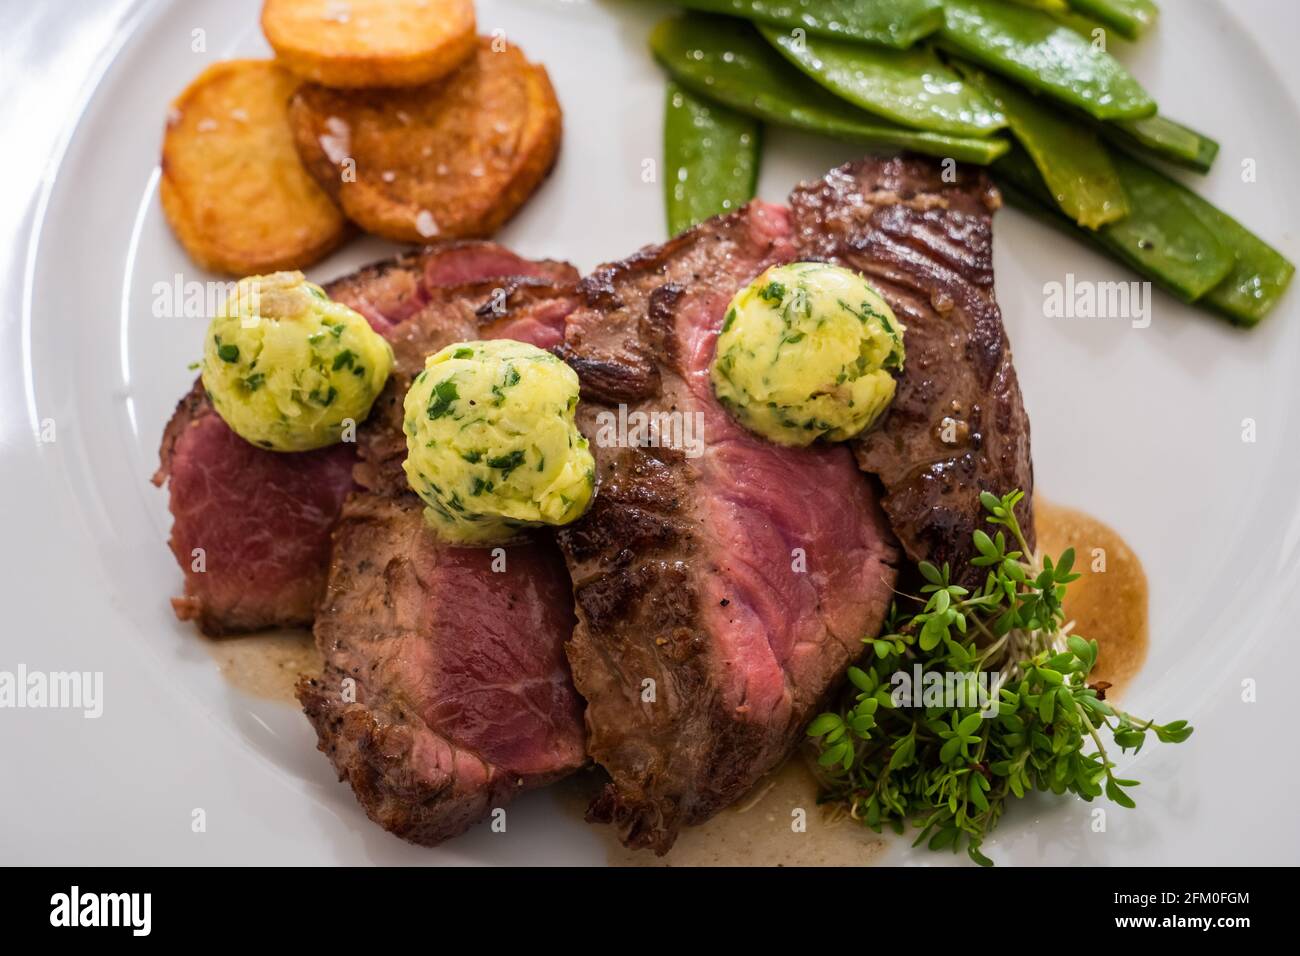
x=957, y=425
x=720, y=595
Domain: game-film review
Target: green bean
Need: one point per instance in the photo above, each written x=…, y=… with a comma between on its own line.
x=1128, y=18
x=1074, y=164
x=912, y=87
x=726, y=61
x=895, y=23
x=1034, y=49
x=1164, y=139
x=711, y=157
x=1162, y=238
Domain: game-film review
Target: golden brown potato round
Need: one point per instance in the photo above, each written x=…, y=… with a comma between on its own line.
x=453, y=159
x=233, y=187
x=370, y=43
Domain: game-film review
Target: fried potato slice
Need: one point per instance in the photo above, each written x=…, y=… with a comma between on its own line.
x=453, y=159
x=233, y=187
x=370, y=43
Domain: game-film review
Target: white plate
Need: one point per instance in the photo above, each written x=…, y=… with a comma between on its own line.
x=1142, y=427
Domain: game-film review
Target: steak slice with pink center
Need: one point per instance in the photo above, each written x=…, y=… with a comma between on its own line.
x=957, y=425
x=720, y=595
x=446, y=691
x=251, y=527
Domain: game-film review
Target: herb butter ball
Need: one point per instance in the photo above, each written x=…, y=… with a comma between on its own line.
x=807, y=351
x=491, y=442
x=289, y=369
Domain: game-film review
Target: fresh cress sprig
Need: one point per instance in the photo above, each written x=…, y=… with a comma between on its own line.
x=947, y=769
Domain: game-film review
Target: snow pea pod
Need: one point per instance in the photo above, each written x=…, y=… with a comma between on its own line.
x=1049, y=6
x=711, y=157
x=1257, y=279
x=1260, y=274
x=1074, y=164
x=1161, y=238
x=1128, y=18
x=1162, y=233
x=1034, y=49
x=912, y=87
x=894, y=23
x=1164, y=139
x=726, y=61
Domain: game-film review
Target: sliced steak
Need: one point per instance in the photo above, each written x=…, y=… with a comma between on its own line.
x=719, y=596
x=445, y=691
x=957, y=425
x=260, y=519
x=250, y=527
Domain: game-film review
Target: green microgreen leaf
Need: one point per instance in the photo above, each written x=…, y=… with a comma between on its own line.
x=949, y=771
